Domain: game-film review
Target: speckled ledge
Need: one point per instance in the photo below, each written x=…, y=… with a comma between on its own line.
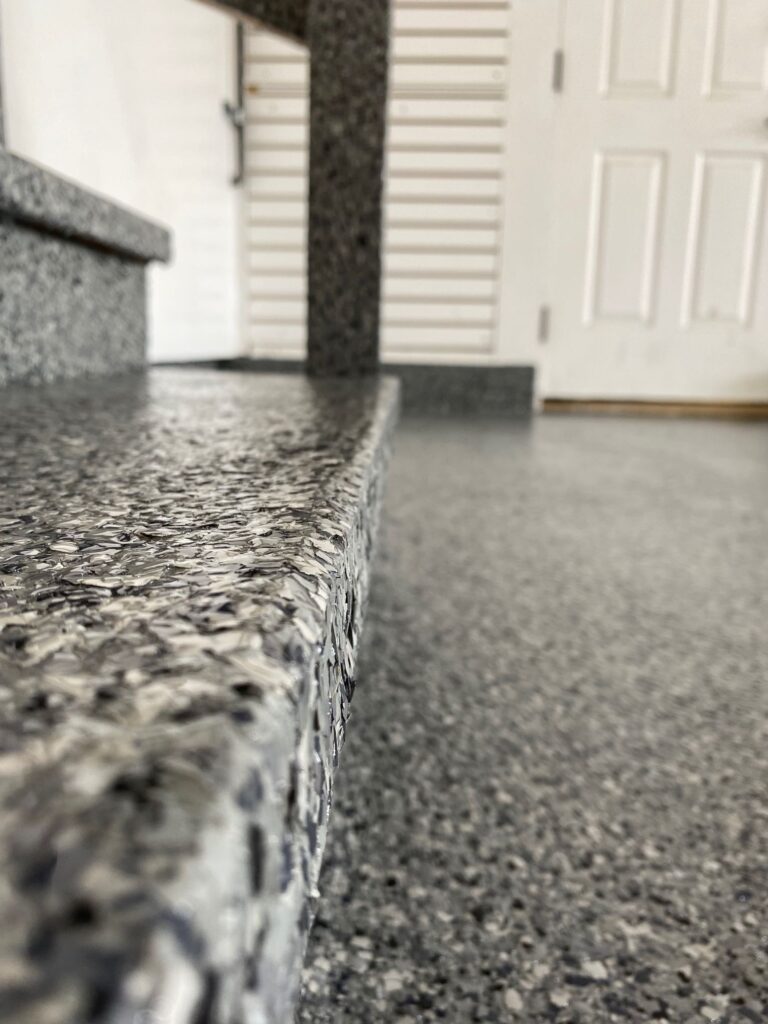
x=72, y=278
x=184, y=563
x=476, y=390
x=286, y=16
x=67, y=310
x=37, y=197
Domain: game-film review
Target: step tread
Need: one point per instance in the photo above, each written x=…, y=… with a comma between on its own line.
x=183, y=568
x=35, y=195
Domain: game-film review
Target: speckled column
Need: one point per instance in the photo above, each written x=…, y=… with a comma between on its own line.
x=348, y=40
x=349, y=43
x=287, y=16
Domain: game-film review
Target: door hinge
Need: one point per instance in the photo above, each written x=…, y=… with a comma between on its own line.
x=544, y=318
x=558, y=70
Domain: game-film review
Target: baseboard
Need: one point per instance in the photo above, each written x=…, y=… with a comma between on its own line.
x=672, y=409
x=476, y=390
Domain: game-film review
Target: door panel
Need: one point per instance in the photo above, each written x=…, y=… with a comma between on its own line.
x=659, y=209
x=736, y=52
x=639, y=47
x=726, y=210
x=622, y=249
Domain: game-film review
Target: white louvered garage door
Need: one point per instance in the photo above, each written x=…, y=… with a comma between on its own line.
x=443, y=185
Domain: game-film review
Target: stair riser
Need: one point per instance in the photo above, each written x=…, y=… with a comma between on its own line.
x=67, y=309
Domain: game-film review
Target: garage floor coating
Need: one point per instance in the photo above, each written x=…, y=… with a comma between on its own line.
x=552, y=805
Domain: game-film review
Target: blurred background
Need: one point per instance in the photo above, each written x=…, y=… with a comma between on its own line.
x=573, y=185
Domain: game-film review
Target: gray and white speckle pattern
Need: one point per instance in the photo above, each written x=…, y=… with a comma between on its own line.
x=183, y=572
x=479, y=390
x=286, y=16
x=349, y=44
x=66, y=309
x=33, y=195
x=448, y=390
x=72, y=278
x=553, y=805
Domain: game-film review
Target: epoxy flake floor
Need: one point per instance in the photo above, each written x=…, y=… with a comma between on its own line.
x=553, y=802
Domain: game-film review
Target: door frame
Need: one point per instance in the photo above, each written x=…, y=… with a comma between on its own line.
x=524, y=305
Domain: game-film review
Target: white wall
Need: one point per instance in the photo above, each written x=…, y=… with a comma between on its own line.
x=125, y=97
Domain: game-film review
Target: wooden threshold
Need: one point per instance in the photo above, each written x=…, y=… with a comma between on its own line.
x=694, y=410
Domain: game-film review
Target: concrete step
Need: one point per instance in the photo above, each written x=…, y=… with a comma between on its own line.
x=72, y=277
x=184, y=564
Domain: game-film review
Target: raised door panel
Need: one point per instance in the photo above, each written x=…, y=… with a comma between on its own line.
x=737, y=48
x=727, y=207
x=623, y=238
x=639, y=48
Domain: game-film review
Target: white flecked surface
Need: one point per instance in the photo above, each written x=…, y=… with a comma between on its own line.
x=184, y=562
x=553, y=808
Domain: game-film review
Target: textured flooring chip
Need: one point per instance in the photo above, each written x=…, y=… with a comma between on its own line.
x=184, y=562
x=553, y=801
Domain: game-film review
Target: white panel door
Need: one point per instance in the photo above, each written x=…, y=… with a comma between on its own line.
x=659, y=259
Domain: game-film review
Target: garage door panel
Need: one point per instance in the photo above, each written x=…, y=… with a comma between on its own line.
x=462, y=47
x=450, y=163
x=398, y=214
x=277, y=186
x=435, y=109
x=296, y=135
x=394, y=313
x=433, y=189
x=440, y=238
x=449, y=265
x=273, y=239
x=409, y=19
x=433, y=340
x=264, y=263
x=268, y=75
x=293, y=286
x=439, y=289
x=446, y=75
x=443, y=189
x=287, y=162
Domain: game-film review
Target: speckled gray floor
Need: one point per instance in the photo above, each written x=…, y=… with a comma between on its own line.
x=553, y=802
